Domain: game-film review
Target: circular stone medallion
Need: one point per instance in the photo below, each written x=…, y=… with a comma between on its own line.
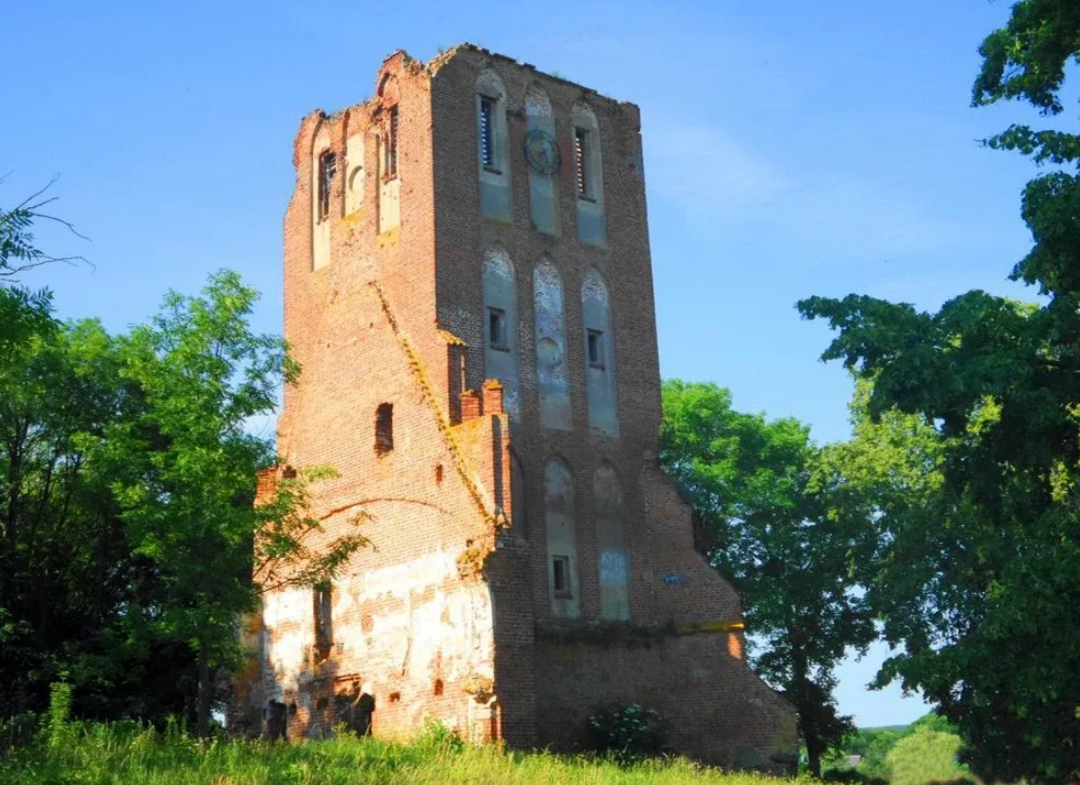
x=541, y=151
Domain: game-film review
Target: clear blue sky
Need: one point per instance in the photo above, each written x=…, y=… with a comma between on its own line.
x=791, y=149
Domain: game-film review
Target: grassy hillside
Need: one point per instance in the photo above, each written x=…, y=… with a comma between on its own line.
x=127, y=755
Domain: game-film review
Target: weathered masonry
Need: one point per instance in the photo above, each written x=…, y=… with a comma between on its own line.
x=468, y=290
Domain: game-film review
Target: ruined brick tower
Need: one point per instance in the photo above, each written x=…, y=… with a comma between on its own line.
x=468, y=290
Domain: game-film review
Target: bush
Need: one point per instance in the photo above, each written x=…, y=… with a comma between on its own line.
x=59, y=718
x=925, y=756
x=437, y=737
x=629, y=733
x=851, y=777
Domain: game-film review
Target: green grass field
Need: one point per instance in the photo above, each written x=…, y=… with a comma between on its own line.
x=94, y=753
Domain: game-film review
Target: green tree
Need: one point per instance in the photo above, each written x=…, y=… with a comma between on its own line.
x=763, y=519
x=185, y=470
x=64, y=565
x=980, y=581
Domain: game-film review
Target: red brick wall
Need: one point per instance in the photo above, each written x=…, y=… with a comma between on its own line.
x=423, y=500
x=568, y=683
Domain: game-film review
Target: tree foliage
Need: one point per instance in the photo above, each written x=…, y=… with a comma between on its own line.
x=764, y=518
x=980, y=577
x=23, y=312
x=130, y=539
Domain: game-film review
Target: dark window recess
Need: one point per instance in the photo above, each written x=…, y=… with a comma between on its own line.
x=438, y=687
x=581, y=159
x=384, y=428
x=497, y=328
x=327, y=170
x=560, y=576
x=324, y=628
x=487, y=132
x=392, y=144
x=395, y=697
x=594, y=341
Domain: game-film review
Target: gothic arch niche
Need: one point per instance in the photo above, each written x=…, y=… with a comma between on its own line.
x=322, y=195
x=599, y=345
x=500, y=327
x=355, y=173
x=542, y=153
x=492, y=147
x=388, y=153
x=388, y=90
x=614, y=561
x=588, y=175
x=551, y=373
x=563, y=585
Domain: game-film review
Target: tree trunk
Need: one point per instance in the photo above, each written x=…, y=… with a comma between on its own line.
x=801, y=673
x=813, y=758
x=202, y=709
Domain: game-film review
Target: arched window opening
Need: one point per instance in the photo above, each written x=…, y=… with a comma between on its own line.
x=388, y=155
x=500, y=327
x=390, y=169
x=323, y=171
x=327, y=170
x=324, y=626
x=491, y=146
x=600, y=387
x=588, y=173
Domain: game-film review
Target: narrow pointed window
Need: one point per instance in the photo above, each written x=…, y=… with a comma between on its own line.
x=327, y=170
x=392, y=145
x=324, y=629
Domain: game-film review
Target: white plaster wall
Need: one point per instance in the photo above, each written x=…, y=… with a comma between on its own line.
x=421, y=622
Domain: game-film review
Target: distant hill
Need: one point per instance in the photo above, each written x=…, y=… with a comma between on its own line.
x=896, y=728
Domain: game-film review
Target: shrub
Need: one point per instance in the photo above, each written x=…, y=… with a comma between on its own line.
x=629, y=732
x=438, y=737
x=59, y=717
x=851, y=777
x=925, y=756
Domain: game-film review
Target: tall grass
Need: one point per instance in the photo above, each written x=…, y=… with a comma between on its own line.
x=100, y=754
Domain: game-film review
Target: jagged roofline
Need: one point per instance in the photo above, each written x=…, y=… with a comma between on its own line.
x=436, y=63
x=439, y=60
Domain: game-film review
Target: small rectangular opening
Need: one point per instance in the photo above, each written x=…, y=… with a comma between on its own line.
x=595, y=345
x=487, y=133
x=497, y=329
x=560, y=577
x=384, y=428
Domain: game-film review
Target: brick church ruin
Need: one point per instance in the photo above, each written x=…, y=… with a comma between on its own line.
x=468, y=290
